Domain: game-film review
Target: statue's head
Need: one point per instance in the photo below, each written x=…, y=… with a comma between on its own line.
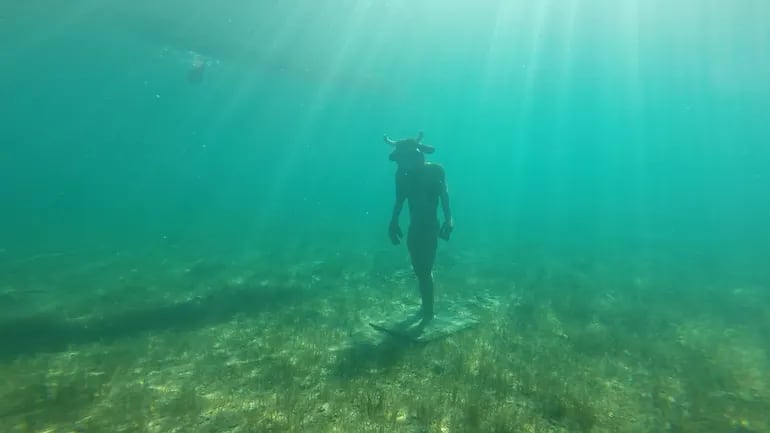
x=409, y=153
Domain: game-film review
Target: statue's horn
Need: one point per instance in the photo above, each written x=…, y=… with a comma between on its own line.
x=388, y=140
x=419, y=137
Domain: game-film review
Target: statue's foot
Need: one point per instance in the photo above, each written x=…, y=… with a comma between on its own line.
x=426, y=319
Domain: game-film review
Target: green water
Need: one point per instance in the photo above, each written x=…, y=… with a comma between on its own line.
x=597, y=153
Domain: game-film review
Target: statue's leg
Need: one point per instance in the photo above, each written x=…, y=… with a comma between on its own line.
x=422, y=250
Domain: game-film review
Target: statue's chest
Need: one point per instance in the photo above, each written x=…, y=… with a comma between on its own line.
x=419, y=186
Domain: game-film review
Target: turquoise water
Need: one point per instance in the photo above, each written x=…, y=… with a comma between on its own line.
x=638, y=123
x=617, y=139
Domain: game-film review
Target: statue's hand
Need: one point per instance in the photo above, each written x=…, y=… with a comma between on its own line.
x=446, y=229
x=395, y=233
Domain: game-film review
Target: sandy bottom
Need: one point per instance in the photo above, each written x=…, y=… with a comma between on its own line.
x=248, y=345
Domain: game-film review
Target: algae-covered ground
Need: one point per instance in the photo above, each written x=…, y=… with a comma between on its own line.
x=273, y=343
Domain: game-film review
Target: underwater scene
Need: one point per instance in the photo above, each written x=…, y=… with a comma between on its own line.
x=376, y=216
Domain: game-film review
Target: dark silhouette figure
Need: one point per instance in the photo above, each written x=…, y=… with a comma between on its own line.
x=423, y=185
x=195, y=73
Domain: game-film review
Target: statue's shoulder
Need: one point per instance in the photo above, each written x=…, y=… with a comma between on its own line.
x=435, y=173
x=435, y=169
